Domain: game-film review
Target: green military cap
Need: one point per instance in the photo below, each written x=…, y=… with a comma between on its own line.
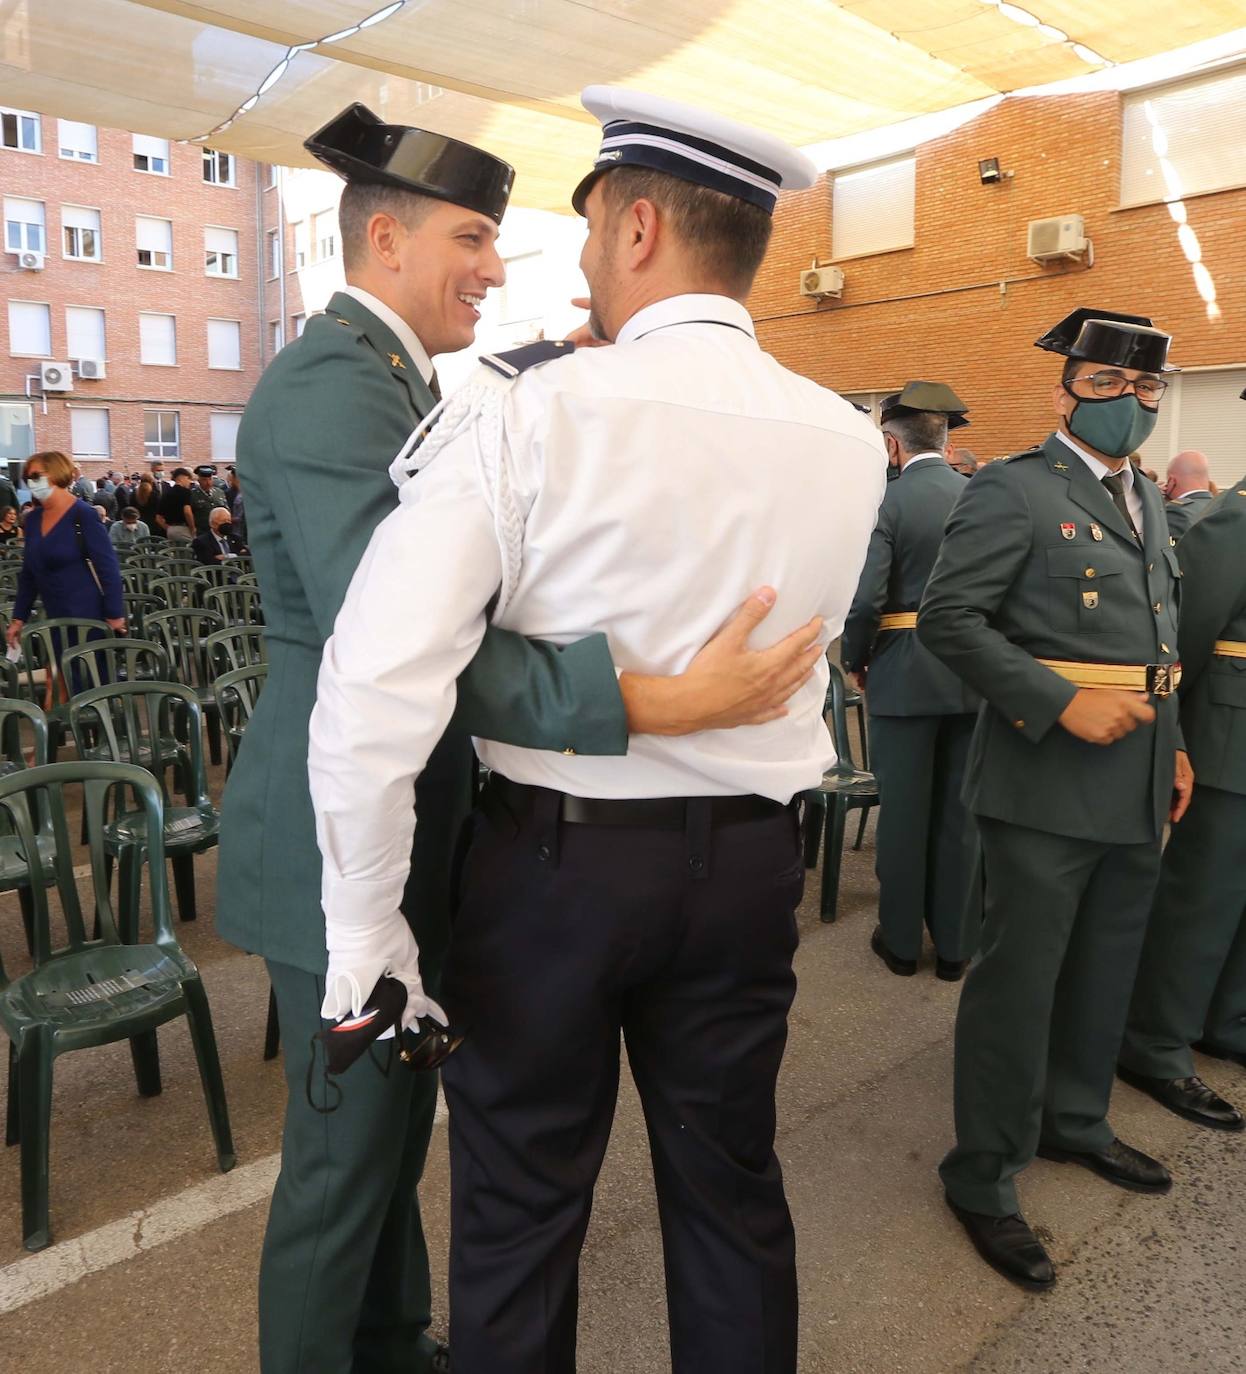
x=933, y=397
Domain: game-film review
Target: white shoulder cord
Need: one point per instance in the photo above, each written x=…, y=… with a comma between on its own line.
x=476, y=406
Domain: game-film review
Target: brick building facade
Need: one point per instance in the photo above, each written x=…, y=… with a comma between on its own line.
x=144, y=254
x=965, y=302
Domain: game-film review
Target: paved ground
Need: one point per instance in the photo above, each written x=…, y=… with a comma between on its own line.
x=155, y=1256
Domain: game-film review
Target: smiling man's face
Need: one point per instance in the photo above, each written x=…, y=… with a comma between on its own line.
x=449, y=260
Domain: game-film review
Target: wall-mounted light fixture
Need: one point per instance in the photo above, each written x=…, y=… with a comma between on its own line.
x=989, y=172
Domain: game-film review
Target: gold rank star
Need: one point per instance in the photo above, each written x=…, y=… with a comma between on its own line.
x=396, y=361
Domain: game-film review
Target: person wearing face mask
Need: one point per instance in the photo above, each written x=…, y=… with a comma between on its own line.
x=1055, y=596
x=220, y=543
x=921, y=714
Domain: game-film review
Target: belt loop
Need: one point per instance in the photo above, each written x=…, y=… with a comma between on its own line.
x=698, y=827
x=546, y=814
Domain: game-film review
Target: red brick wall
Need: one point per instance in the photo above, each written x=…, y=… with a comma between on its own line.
x=123, y=290
x=937, y=311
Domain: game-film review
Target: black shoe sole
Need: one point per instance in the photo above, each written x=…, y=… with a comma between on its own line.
x=902, y=968
x=1186, y=1113
x=1068, y=1157
x=1030, y=1285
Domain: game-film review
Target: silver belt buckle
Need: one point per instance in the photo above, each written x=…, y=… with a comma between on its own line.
x=1160, y=679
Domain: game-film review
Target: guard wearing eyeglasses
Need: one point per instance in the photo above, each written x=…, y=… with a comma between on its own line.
x=1055, y=597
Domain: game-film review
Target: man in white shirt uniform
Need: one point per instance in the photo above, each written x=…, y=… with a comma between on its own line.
x=641, y=490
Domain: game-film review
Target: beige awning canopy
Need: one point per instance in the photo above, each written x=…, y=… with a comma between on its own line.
x=506, y=73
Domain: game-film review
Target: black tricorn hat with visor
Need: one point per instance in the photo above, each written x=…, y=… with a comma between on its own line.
x=359, y=147
x=1108, y=337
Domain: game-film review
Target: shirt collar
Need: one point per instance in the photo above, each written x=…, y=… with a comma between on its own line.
x=689, y=309
x=405, y=334
x=1198, y=491
x=921, y=458
x=1100, y=469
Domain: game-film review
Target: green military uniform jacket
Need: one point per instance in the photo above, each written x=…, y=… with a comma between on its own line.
x=1213, y=609
x=1022, y=575
x=326, y=419
x=202, y=504
x=905, y=678
x=1186, y=511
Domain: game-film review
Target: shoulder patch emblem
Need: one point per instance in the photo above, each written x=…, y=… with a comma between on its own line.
x=516, y=360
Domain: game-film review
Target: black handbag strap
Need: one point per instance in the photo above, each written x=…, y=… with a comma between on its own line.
x=82, y=549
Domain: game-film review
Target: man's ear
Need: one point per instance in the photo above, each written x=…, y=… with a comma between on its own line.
x=644, y=231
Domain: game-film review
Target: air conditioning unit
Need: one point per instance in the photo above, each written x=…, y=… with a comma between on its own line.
x=821, y=282
x=30, y=260
x=1061, y=237
x=91, y=369
x=56, y=376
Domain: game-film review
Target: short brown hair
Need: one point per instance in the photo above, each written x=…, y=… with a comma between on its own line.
x=361, y=200
x=59, y=468
x=726, y=237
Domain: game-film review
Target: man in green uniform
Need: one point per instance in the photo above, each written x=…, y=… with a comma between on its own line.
x=1055, y=597
x=344, y=1283
x=203, y=498
x=1191, y=984
x=921, y=713
x=1187, y=490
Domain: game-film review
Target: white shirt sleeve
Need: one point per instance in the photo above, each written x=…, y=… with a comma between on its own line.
x=413, y=618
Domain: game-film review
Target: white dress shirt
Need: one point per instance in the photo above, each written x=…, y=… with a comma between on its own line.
x=650, y=487
x=406, y=335
x=921, y=458
x=1133, y=498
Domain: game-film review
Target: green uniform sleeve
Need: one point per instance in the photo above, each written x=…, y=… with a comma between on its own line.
x=988, y=540
x=343, y=423
x=861, y=626
x=1213, y=574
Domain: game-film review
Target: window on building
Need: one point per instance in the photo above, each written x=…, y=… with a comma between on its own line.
x=224, y=435
x=324, y=234
x=162, y=434
x=30, y=329
x=157, y=340
x=872, y=208
x=298, y=323
x=84, y=332
x=79, y=142
x=218, y=168
x=220, y=247
x=19, y=129
x=270, y=179
x=24, y=225
x=1201, y=411
x=88, y=433
x=155, y=243
x=276, y=336
x=151, y=155
x=1184, y=139
x=81, y=230
x=300, y=244
x=17, y=431
x=225, y=344
x=274, y=253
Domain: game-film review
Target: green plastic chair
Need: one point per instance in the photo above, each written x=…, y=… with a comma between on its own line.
x=215, y=574
x=135, y=581
x=92, y=992
x=43, y=643
x=115, y=660
x=236, y=605
x=159, y=724
x=844, y=788
x=138, y=606
x=236, y=646
x=23, y=744
x=183, y=590
x=237, y=693
x=248, y=579
x=183, y=636
x=178, y=564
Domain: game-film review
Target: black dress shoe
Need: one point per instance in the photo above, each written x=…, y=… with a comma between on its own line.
x=951, y=970
x=1188, y=1097
x=441, y=1360
x=1009, y=1247
x=1118, y=1163
x=1232, y=1056
x=904, y=968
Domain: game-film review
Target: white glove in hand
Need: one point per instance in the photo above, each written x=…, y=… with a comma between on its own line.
x=360, y=953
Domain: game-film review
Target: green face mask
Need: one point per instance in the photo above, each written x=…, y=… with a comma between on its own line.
x=1114, y=427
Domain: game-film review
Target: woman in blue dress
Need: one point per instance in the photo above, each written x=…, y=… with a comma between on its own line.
x=62, y=534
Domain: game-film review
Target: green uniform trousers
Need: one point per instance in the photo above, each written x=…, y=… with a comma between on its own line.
x=344, y=1282
x=1043, y=1009
x=1192, y=978
x=927, y=853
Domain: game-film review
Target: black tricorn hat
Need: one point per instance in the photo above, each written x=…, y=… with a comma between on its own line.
x=932, y=397
x=1106, y=336
x=205, y=470
x=359, y=147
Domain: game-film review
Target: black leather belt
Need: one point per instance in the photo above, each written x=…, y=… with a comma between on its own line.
x=655, y=813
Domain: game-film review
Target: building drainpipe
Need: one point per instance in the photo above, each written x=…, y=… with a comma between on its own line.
x=261, y=274
x=281, y=249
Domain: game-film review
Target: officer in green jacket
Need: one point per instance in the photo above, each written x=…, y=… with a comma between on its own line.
x=344, y=1283
x=1188, y=491
x=921, y=715
x=1191, y=986
x=1055, y=597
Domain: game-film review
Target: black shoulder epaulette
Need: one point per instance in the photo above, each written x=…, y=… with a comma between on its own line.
x=517, y=360
x=1026, y=453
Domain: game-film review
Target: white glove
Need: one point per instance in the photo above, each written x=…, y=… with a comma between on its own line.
x=360, y=953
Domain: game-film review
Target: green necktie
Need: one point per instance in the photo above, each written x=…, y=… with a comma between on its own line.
x=1115, y=483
